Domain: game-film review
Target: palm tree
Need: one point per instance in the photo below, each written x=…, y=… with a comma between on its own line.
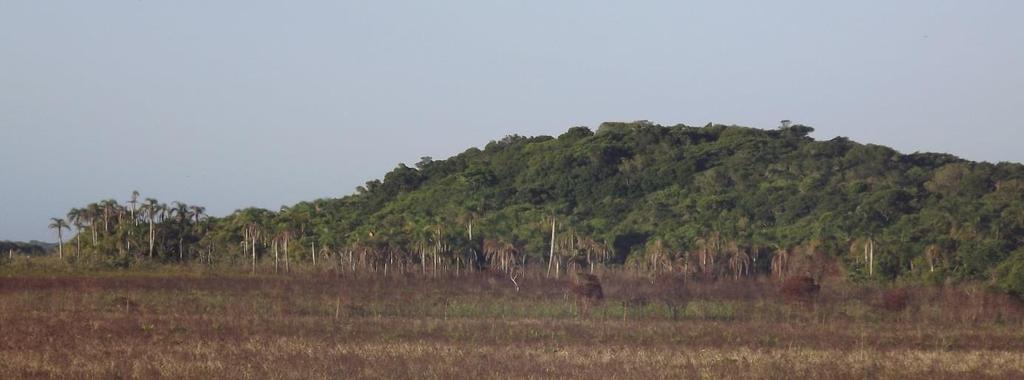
x=197, y=212
x=134, y=200
x=422, y=233
x=93, y=212
x=658, y=256
x=252, y=231
x=109, y=208
x=183, y=214
x=163, y=211
x=285, y=224
x=151, y=207
x=60, y=225
x=76, y=216
x=468, y=217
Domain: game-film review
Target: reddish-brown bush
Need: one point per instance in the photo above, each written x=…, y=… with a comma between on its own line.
x=895, y=300
x=587, y=287
x=799, y=289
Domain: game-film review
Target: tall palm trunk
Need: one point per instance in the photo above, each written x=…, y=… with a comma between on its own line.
x=551, y=255
x=871, y=257
x=151, y=237
x=60, y=243
x=253, y=253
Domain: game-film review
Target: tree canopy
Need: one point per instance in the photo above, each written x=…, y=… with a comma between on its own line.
x=772, y=200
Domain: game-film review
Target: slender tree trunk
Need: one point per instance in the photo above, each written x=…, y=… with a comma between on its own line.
x=866, y=253
x=60, y=244
x=151, y=237
x=558, y=268
x=253, y=253
x=551, y=255
x=277, y=259
x=871, y=257
x=286, y=267
x=437, y=250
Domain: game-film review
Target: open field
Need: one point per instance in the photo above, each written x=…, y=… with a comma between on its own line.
x=324, y=325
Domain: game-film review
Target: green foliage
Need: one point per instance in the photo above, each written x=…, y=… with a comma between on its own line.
x=1010, y=274
x=743, y=192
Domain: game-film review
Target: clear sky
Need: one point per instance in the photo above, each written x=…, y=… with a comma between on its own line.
x=231, y=104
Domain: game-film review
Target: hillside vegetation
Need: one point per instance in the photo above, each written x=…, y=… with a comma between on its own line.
x=709, y=202
x=23, y=248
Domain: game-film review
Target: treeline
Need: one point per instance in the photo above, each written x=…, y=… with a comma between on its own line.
x=117, y=234
x=709, y=202
x=10, y=248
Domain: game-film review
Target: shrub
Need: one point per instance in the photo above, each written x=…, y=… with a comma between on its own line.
x=895, y=300
x=587, y=287
x=799, y=289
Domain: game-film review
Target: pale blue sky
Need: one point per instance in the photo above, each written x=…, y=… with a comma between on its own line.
x=236, y=103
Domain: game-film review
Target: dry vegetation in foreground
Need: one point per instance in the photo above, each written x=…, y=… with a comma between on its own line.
x=322, y=325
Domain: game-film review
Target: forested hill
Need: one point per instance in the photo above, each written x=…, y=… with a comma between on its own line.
x=717, y=200
x=25, y=248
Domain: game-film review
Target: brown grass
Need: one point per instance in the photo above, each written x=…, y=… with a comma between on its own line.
x=478, y=326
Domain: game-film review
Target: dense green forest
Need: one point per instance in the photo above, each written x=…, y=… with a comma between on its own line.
x=708, y=202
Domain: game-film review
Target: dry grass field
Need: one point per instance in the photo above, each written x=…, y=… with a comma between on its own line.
x=194, y=324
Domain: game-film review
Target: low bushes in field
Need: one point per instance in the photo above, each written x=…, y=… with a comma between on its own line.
x=587, y=286
x=800, y=289
x=485, y=295
x=895, y=300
